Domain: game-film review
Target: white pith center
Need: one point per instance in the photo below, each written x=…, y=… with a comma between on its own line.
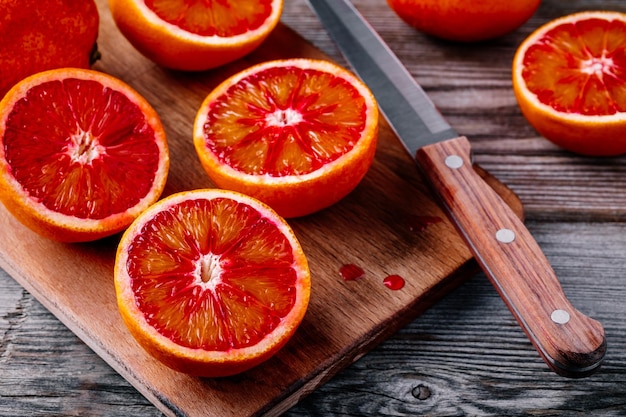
x=84, y=148
x=282, y=118
x=597, y=66
x=208, y=271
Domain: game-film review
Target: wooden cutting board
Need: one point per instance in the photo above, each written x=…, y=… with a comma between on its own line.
x=376, y=227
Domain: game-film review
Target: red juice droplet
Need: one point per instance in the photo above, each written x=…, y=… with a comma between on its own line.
x=420, y=223
x=351, y=272
x=394, y=282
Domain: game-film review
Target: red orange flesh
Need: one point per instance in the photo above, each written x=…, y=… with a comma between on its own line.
x=211, y=282
x=297, y=134
x=195, y=35
x=569, y=78
x=81, y=154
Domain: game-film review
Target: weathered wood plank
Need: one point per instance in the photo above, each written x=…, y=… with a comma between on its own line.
x=466, y=356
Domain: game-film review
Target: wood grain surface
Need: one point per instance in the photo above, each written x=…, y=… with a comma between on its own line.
x=464, y=356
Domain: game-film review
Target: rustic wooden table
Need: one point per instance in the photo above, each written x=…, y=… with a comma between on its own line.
x=464, y=356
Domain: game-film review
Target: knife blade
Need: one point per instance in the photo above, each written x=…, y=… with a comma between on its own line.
x=571, y=344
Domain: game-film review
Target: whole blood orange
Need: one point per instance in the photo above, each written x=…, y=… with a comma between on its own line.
x=81, y=154
x=297, y=134
x=40, y=35
x=569, y=78
x=195, y=35
x=463, y=20
x=211, y=282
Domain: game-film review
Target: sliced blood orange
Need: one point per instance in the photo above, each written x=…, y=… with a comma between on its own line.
x=195, y=35
x=297, y=134
x=569, y=78
x=81, y=154
x=211, y=282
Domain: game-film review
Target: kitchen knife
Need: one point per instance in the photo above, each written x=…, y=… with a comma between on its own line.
x=572, y=344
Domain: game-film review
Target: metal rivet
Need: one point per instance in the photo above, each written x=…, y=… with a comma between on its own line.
x=454, y=161
x=505, y=235
x=560, y=316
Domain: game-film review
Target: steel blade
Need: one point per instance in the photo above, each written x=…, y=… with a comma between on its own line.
x=410, y=112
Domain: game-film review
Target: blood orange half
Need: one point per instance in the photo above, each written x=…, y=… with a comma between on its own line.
x=569, y=78
x=195, y=35
x=81, y=154
x=297, y=134
x=211, y=282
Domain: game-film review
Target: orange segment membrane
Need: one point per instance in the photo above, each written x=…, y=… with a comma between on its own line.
x=77, y=146
x=212, y=274
x=580, y=67
x=285, y=121
x=223, y=18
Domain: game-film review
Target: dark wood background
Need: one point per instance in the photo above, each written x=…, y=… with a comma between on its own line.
x=466, y=355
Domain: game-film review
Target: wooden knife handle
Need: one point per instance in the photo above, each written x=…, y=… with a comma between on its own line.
x=571, y=343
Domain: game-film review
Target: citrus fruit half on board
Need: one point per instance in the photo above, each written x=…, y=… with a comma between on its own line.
x=211, y=282
x=297, y=134
x=40, y=35
x=195, y=35
x=462, y=20
x=569, y=78
x=81, y=154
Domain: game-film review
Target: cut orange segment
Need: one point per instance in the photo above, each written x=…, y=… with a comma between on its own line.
x=297, y=134
x=195, y=35
x=81, y=154
x=211, y=282
x=569, y=78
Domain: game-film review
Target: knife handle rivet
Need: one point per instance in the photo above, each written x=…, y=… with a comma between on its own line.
x=454, y=161
x=560, y=316
x=505, y=235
